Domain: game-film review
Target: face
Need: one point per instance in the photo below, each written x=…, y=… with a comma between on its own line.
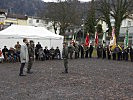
x=26, y=41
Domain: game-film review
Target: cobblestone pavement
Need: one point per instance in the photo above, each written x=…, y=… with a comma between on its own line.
x=88, y=79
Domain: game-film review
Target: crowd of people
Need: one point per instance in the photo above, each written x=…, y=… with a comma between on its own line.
x=28, y=52
x=74, y=51
x=13, y=54
x=115, y=53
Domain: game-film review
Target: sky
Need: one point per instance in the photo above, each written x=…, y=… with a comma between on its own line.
x=55, y=0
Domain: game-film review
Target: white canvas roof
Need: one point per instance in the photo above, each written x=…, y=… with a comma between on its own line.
x=19, y=31
x=14, y=33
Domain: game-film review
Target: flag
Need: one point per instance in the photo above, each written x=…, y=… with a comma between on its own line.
x=87, y=40
x=96, y=38
x=113, y=40
x=126, y=40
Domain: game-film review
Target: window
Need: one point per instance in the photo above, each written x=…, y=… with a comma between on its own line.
x=37, y=21
x=129, y=23
x=30, y=21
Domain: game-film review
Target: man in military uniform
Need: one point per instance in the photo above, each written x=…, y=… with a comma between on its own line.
x=31, y=56
x=76, y=50
x=65, y=56
x=71, y=50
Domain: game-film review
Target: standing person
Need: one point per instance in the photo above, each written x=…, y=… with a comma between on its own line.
x=90, y=50
x=24, y=56
x=1, y=56
x=31, y=51
x=126, y=54
x=131, y=53
x=38, y=46
x=108, y=52
x=17, y=47
x=5, y=53
x=71, y=50
x=104, y=52
x=65, y=56
x=99, y=51
x=76, y=50
x=123, y=53
x=114, y=53
x=86, y=52
x=82, y=50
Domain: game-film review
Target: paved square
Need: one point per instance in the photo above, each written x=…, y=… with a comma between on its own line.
x=88, y=79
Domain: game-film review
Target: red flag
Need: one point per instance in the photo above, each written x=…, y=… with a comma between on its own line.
x=87, y=40
x=96, y=38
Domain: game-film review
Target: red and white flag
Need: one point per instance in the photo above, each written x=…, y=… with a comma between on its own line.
x=96, y=38
x=87, y=40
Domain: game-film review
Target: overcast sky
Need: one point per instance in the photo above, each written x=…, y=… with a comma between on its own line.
x=55, y=0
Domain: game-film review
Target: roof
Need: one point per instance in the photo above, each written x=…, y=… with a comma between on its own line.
x=20, y=31
x=23, y=17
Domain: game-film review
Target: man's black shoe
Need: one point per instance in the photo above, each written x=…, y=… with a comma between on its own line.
x=29, y=72
x=64, y=72
x=22, y=75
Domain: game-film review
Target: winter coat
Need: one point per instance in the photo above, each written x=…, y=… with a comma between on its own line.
x=24, y=56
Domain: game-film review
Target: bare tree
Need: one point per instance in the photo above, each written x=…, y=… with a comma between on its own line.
x=118, y=9
x=63, y=13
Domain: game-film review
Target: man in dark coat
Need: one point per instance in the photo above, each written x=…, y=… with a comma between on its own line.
x=131, y=53
x=86, y=52
x=90, y=50
x=46, y=51
x=104, y=52
x=82, y=50
x=38, y=46
x=5, y=53
x=99, y=51
x=57, y=53
x=108, y=53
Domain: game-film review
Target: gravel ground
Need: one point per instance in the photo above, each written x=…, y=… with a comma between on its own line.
x=88, y=79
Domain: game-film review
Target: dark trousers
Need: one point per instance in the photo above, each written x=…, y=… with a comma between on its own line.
x=90, y=54
x=66, y=65
x=104, y=54
x=82, y=55
x=131, y=56
x=123, y=56
x=86, y=54
x=114, y=56
x=126, y=56
x=76, y=55
x=21, y=68
x=71, y=55
x=30, y=63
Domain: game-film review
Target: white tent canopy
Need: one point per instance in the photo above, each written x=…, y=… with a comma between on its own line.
x=14, y=33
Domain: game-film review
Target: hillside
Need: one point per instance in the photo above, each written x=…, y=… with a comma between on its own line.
x=26, y=7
